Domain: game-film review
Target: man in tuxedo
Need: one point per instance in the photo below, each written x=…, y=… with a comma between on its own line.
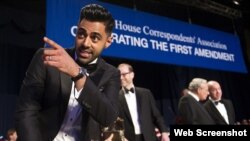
x=220, y=109
x=69, y=94
x=191, y=111
x=139, y=110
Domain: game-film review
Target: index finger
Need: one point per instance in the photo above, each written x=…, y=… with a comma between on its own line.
x=51, y=43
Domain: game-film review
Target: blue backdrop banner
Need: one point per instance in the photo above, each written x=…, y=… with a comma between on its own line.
x=146, y=37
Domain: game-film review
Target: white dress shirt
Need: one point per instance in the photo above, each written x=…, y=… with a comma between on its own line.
x=71, y=126
x=222, y=109
x=132, y=105
x=194, y=96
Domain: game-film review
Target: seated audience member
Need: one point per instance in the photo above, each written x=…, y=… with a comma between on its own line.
x=220, y=109
x=184, y=92
x=190, y=110
x=237, y=123
x=11, y=135
x=2, y=138
x=244, y=122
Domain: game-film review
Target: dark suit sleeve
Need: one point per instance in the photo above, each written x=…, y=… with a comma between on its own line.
x=102, y=105
x=158, y=118
x=28, y=106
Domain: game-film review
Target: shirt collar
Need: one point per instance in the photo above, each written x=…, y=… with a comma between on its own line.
x=94, y=61
x=193, y=95
x=214, y=101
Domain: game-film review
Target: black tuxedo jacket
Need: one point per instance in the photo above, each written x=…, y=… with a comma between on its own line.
x=149, y=115
x=192, y=112
x=45, y=94
x=215, y=114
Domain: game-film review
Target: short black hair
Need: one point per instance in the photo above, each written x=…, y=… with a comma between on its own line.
x=95, y=12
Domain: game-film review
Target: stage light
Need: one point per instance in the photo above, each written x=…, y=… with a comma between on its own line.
x=236, y=2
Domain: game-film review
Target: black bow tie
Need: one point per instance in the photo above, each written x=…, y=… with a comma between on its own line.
x=90, y=67
x=132, y=90
x=217, y=102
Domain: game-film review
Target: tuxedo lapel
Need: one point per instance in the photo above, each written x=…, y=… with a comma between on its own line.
x=229, y=111
x=98, y=76
x=216, y=111
x=138, y=101
x=125, y=106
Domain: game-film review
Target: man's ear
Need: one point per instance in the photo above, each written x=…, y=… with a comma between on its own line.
x=132, y=75
x=108, y=42
x=198, y=90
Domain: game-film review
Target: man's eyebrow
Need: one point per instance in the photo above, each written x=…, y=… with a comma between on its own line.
x=81, y=28
x=96, y=34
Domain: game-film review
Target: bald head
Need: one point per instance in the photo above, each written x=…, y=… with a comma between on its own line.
x=214, y=89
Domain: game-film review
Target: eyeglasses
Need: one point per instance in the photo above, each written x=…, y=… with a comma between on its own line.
x=123, y=74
